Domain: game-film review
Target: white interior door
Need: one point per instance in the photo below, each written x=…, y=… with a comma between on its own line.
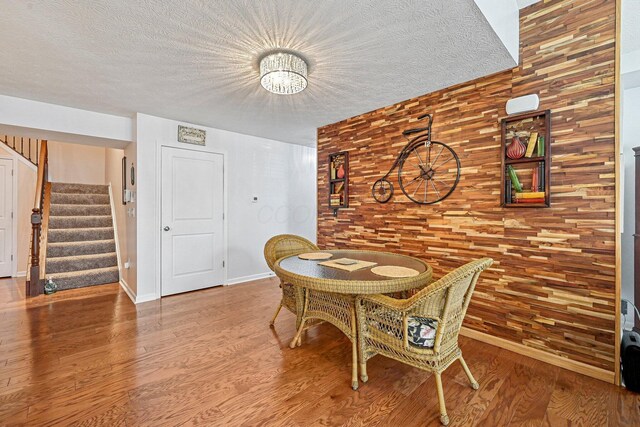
x=193, y=245
x=6, y=220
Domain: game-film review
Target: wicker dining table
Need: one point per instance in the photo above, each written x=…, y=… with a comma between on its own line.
x=329, y=294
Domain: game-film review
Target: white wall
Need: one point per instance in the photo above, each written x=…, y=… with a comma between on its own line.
x=76, y=163
x=281, y=175
x=630, y=139
x=129, y=243
x=26, y=194
x=630, y=122
x=113, y=177
x=55, y=122
x=25, y=176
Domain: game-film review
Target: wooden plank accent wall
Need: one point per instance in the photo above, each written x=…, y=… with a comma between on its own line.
x=552, y=286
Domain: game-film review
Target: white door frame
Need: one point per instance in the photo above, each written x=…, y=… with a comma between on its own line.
x=158, y=222
x=14, y=219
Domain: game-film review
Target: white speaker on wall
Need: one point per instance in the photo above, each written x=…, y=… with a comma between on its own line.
x=522, y=104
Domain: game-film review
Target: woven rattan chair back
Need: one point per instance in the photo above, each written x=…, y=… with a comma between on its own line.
x=452, y=295
x=284, y=245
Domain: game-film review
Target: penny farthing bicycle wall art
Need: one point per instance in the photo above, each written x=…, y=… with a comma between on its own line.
x=428, y=171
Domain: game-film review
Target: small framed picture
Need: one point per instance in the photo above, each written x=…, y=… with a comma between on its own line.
x=189, y=135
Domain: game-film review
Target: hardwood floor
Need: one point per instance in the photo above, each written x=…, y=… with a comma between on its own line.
x=90, y=357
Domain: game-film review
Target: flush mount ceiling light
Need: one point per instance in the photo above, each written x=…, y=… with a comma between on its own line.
x=283, y=73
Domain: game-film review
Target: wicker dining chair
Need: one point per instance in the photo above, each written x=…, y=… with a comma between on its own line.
x=421, y=331
x=281, y=246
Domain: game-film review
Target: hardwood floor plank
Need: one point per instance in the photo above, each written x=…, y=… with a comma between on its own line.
x=524, y=396
x=580, y=399
x=90, y=357
x=624, y=408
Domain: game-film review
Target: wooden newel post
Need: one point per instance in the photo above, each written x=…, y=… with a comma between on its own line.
x=33, y=287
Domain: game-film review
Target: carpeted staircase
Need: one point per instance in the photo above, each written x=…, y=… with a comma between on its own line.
x=81, y=249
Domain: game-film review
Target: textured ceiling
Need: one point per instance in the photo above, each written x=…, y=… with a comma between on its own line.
x=630, y=26
x=196, y=60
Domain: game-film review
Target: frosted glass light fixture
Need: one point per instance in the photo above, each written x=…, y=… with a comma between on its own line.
x=283, y=73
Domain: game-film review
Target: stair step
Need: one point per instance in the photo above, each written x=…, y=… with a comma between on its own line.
x=80, y=262
x=62, y=222
x=64, y=249
x=61, y=187
x=79, y=210
x=79, y=199
x=81, y=234
x=82, y=278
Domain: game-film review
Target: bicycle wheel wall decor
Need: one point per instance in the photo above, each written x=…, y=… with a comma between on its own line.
x=382, y=190
x=428, y=171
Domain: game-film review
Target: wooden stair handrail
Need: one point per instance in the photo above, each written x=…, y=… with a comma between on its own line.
x=42, y=175
x=37, y=254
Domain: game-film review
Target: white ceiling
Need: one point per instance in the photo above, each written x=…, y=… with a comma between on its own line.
x=196, y=60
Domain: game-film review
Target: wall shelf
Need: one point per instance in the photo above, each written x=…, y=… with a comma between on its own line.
x=338, y=181
x=526, y=179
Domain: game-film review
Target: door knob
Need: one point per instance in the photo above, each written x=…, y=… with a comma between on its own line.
x=167, y=228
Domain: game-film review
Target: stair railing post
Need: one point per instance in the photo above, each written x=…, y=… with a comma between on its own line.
x=36, y=227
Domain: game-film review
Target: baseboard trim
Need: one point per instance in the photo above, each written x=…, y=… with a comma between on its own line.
x=146, y=298
x=21, y=274
x=136, y=299
x=543, y=356
x=125, y=287
x=250, y=278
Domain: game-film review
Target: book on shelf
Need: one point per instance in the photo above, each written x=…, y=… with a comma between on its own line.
x=332, y=167
x=541, y=177
x=515, y=182
x=533, y=138
x=541, y=146
x=537, y=200
x=508, y=190
x=530, y=195
x=534, y=178
x=339, y=187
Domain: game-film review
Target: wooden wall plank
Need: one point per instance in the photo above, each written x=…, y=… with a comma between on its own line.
x=552, y=286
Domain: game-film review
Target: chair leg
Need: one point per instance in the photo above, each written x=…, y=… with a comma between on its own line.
x=363, y=372
x=474, y=383
x=444, y=418
x=273, y=320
